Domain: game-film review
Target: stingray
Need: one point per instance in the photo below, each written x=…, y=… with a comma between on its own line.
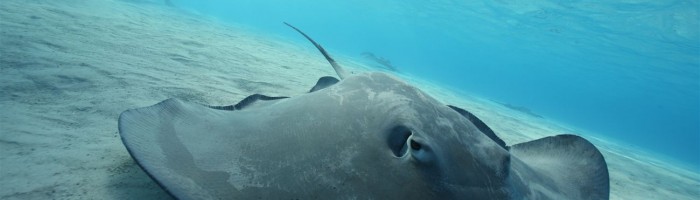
x=363, y=136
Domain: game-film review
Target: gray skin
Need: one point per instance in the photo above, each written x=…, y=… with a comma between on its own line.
x=369, y=136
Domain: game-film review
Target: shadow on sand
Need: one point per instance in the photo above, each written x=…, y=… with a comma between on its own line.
x=128, y=181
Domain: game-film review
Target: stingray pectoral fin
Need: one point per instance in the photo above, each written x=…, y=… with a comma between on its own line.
x=152, y=137
x=255, y=100
x=480, y=125
x=566, y=164
x=324, y=82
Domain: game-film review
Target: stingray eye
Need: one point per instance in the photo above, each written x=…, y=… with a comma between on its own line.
x=398, y=140
x=415, y=145
x=421, y=152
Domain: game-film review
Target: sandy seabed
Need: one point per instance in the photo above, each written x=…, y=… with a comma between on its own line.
x=68, y=68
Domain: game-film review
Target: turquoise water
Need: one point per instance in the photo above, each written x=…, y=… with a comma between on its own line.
x=624, y=70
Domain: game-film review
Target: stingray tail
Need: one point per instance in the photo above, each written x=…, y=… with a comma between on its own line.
x=338, y=69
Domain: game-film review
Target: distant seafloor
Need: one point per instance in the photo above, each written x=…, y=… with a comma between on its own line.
x=70, y=67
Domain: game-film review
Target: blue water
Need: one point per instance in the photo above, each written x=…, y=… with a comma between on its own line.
x=625, y=70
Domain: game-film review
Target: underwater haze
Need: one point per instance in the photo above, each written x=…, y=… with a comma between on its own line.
x=624, y=70
x=623, y=75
